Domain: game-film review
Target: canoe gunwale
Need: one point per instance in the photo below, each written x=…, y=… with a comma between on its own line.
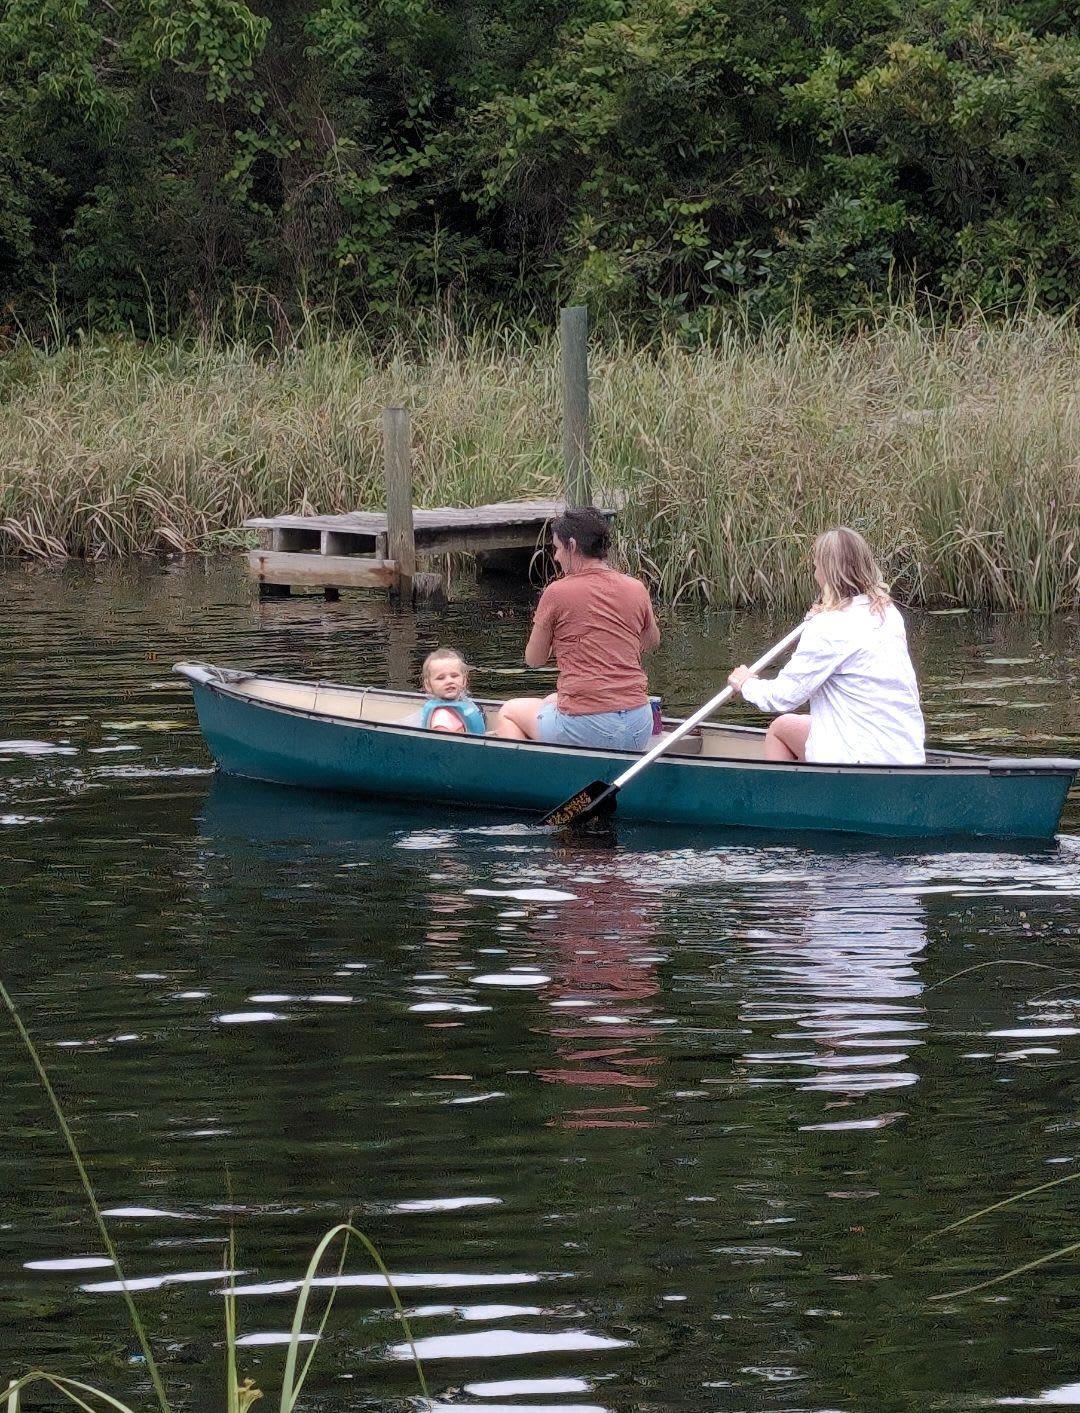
x=228, y=682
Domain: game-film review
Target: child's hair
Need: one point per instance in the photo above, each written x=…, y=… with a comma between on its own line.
x=588, y=528
x=437, y=656
x=846, y=563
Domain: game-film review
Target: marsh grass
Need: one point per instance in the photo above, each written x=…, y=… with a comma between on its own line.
x=956, y=450
x=239, y=1396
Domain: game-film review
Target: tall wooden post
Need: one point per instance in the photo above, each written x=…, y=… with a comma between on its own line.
x=574, y=346
x=397, y=459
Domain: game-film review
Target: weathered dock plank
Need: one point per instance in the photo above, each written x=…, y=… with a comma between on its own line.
x=442, y=518
x=321, y=571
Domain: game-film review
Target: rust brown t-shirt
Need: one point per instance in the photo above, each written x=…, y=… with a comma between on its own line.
x=598, y=620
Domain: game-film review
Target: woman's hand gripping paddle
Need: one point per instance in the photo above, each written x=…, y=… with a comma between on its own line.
x=598, y=799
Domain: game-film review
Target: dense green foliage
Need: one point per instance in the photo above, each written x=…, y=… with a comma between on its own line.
x=665, y=158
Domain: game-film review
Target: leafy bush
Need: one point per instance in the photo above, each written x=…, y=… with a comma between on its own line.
x=669, y=161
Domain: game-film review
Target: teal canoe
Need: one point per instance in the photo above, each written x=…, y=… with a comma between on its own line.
x=327, y=736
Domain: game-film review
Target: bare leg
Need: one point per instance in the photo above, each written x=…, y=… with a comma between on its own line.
x=786, y=738
x=516, y=720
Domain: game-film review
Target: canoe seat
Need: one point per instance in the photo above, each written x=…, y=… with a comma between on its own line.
x=359, y=706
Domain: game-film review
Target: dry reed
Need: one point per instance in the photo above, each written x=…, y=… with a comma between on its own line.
x=957, y=451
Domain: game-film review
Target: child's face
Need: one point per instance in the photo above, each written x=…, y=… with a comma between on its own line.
x=446, y=679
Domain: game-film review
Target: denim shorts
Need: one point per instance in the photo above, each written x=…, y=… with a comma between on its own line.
x=611, y=730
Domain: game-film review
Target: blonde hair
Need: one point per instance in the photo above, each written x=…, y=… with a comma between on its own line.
x=437, y=656
x=848, y=567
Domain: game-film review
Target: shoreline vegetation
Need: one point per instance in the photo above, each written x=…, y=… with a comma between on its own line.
x=956, y=450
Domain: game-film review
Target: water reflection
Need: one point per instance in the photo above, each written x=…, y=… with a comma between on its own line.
x=833, y=969
x=602, y=1004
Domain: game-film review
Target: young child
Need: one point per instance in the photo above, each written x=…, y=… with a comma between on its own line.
x=449, y=707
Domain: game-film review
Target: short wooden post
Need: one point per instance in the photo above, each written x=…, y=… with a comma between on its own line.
x=13, y=1397
x=397, y=459
x=574, y=346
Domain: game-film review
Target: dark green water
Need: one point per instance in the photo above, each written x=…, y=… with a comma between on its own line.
x=652, y=1126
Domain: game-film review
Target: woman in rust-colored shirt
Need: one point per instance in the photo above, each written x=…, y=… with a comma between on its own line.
x=597, y=623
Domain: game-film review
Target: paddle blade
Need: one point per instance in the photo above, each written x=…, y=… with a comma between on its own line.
x=594, y=801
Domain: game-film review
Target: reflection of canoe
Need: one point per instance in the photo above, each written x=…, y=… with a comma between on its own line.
x=250, y=815
x=327, y=736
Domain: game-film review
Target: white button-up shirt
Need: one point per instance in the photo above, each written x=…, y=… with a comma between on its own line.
x=852, y=666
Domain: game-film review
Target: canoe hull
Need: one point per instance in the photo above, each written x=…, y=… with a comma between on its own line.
x=384, y=762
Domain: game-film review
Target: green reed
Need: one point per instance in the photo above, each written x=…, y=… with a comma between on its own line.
x=1047, y=1257
x=953, y=449
x=239, y=1397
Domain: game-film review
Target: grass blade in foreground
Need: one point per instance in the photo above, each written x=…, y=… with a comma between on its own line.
x=70, y=1388
x=91, y=1197
x=598, y=799
x=292, y=1382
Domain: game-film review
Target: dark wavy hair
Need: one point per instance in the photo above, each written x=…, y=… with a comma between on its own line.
x=588, y=528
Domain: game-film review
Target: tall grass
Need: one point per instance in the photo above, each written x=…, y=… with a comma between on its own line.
x=956, y=450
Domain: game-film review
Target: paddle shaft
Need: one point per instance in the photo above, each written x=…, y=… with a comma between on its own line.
x=704, y=711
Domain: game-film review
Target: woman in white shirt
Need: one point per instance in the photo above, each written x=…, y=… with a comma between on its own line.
x=851, y=665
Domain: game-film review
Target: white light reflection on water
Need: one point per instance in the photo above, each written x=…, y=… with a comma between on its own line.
x=530, y=895
x=444, y=1204
x=460, y=1006
x=1068, y=1396
x=517, y=978
x=157, y=1282
x=70, y=1263
x=474, y=1312
x=248, y=1017
x=273, y=1337
x=500, y=1344
x=147, y=1212
x=35, y=748
x=500, y=1388
x=406, y=1280
x=475, y=1098
x=516, y=1407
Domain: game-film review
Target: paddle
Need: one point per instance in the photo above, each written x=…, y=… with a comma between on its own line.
x=599, y=797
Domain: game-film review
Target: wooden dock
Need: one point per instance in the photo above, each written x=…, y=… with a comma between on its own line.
x=352, y=551
x=368, y=549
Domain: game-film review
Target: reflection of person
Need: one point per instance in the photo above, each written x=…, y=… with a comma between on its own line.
x=597, y=623
x=449, y=707
x=596, y=954
x=836, y=969
x=851, y=665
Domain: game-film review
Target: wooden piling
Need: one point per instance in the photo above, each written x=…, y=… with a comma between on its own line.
x=397, y=460
x=574, y=351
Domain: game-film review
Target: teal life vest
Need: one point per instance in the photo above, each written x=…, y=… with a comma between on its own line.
x=466, y=708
